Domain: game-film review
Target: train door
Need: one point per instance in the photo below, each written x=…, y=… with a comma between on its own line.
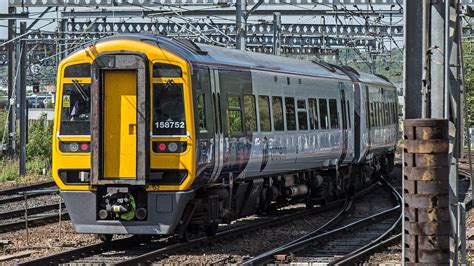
x=120, y=121
x=206, y=119
x=119, y=111
x=218, y=135
x=344, y=111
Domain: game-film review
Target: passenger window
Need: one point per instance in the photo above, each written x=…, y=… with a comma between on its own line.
x=301, y=104
x=201, y=113
x=333, y=113
x=250, y=113
x=313, y=113
x=166, y=70
x=234, y=115
x=323, y=113
x=168, y=109
x=302, y=115
x=277, y=107
x=290, y=113
x=264, y=112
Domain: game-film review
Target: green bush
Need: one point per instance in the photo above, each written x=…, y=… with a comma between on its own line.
x=9, y=171
x=39, y=144
x=35, y=166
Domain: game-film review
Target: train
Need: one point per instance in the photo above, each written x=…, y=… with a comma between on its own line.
x=163, y=136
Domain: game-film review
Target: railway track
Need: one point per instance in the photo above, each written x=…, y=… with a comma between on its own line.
x=133, y=250
x=351, y=241
x=12, y=194
x=42, y=208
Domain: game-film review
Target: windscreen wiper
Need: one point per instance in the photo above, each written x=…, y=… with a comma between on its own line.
x=80, y=89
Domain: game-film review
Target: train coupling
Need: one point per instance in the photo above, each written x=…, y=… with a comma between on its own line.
x=119, y=204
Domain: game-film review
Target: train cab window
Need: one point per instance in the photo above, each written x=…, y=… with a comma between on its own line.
x=302, y=115
x=290, y=113
x=166, y=70
x=323, y=113
x=333, y=113
x=75, y=109
x=264, y=112
x=201, y=113
x=234, y=114
x=250, y=113
x=168, y=109
x=313, y=113
x=277, y=107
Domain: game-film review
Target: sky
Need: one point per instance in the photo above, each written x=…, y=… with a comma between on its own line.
x=3, y=23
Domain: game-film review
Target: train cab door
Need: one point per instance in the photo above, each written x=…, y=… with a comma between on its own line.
x=218, y=123
x=344, y=118
x=119, y=115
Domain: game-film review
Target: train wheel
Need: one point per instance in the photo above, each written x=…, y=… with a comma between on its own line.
x=211, y=229
x=105, y=237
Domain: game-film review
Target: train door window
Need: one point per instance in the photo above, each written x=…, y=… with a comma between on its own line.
x=313, y=113
x=201, y=113
x=333, y=113
x=264, y=112
x=290, y=113
x=234, y=115
x=277, y=107
x=372, y=116
x=382, y=113
x=250, y=113
x=323, y=113
x=376, y=114
x=394, y=110
x=387, y=114
x=168, y=109
x=302, y=115
x=343, y=114
x=349, y=113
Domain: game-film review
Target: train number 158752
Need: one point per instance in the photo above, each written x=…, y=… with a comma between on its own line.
x=169, y=124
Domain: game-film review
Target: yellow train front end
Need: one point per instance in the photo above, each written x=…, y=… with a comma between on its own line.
x=123, y=152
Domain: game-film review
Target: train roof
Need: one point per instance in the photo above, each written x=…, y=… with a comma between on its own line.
x=209, y=54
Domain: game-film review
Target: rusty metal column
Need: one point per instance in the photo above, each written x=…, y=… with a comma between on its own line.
x=426, y=182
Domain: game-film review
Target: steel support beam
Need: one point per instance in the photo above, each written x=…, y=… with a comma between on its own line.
x=241, y=24
x=413, y=66
x=14, y=16
x=22, y=99
x=276, y=33
x=152, y=3
x=11, y=85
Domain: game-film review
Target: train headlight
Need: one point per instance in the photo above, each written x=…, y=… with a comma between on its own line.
x=73, y=146
x=172, y=147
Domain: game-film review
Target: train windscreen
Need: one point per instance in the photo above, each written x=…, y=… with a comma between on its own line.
x=75, y=109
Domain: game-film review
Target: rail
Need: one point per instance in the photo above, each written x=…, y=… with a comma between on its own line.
x=315, y=236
